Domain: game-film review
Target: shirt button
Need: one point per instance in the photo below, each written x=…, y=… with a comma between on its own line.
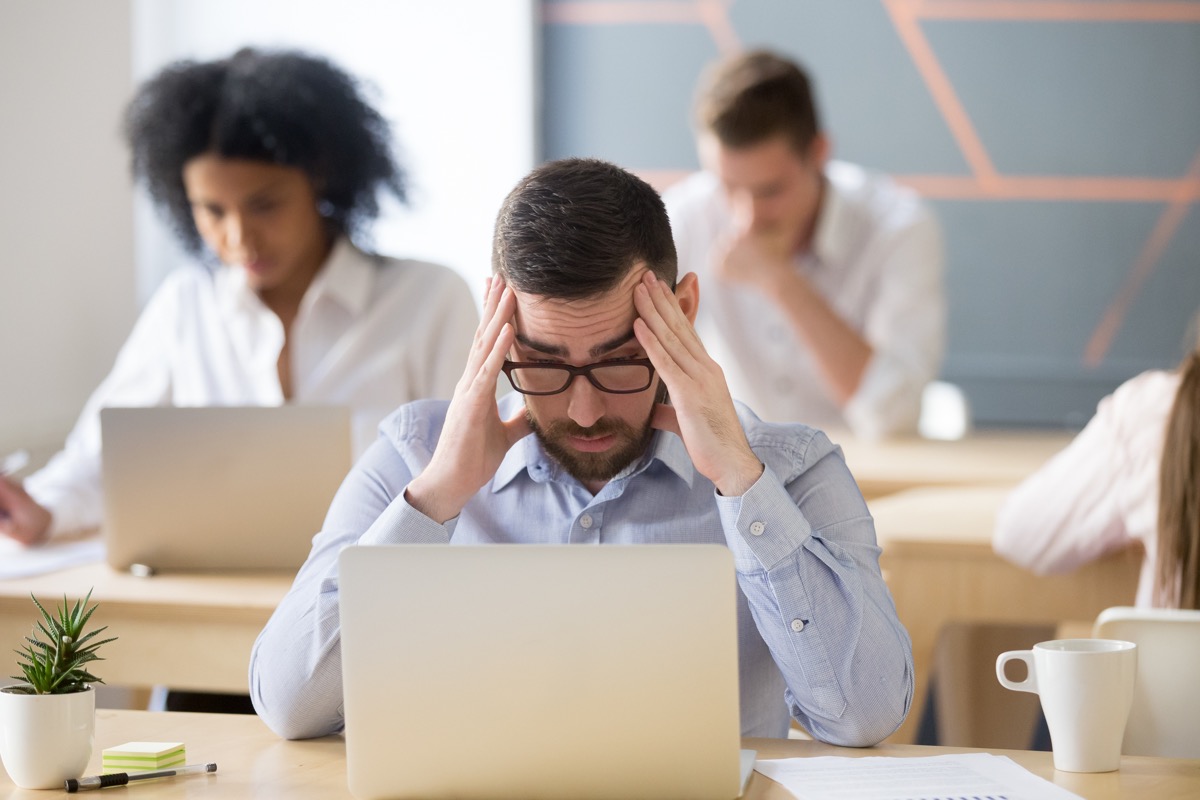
x=797, y=625
x=757, y=528
x=585, y=521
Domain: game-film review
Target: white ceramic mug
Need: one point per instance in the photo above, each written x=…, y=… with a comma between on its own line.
x=1086, y=689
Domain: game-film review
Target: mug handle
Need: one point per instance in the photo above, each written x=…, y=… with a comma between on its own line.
x=1030, y=682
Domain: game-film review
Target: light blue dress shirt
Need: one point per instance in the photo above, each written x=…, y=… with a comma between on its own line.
x=818, y=634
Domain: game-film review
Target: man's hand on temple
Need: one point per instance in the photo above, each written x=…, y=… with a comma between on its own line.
x=702, y=411
x=474, y=439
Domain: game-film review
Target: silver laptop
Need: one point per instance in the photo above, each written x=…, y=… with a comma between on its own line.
x=219, y=488
x=529, y=671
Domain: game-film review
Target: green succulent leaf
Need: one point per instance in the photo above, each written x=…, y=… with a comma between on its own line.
x=54, y=657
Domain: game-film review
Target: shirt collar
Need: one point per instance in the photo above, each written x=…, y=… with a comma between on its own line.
x=345, y=279
x=831, y=240
x=527, y=455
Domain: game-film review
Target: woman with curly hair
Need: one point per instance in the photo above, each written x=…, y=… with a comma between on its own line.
x=269, y=167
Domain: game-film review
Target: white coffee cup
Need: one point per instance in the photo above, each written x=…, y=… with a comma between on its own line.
x=1086, y=689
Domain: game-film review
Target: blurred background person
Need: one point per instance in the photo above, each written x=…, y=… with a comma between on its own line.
x=269, y=166
x=1131, y=477
x=825, y=302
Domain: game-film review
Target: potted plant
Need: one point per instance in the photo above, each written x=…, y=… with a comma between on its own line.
x=48, y=721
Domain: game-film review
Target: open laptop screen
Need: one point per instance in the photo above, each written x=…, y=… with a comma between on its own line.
x=523, y=671
x=230, y=487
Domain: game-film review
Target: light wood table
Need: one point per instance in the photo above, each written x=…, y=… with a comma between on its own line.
x=940, y=567
x=253, y=762
x=982, y=458
x=186, y=631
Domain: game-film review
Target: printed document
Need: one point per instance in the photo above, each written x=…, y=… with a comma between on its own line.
x=970, y=776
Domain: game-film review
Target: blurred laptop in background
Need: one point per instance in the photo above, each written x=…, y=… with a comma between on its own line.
x=219, y=488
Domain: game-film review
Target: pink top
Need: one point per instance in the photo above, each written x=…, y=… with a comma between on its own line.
x=1100, y=494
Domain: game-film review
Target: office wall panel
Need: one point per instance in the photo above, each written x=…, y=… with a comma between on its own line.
x=1058, y=142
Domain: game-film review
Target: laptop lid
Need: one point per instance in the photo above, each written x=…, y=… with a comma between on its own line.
x=528, y=671
x=219, y=488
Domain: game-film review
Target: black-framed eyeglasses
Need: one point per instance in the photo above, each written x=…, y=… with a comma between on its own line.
x=628, y=376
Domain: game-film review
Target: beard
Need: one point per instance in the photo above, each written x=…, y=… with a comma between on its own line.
x=589, y=467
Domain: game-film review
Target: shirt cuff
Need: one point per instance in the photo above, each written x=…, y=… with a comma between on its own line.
x=400, y=523
x=70, y=512
x=763, y=527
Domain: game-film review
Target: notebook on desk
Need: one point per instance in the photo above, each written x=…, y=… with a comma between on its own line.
x=219, y=488
x=523, y=671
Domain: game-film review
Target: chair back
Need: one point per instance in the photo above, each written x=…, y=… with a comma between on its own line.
x=1165, y=717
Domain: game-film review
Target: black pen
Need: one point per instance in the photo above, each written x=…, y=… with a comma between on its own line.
x=122, y=778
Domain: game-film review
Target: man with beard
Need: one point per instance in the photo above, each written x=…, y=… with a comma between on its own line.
x=586, y=319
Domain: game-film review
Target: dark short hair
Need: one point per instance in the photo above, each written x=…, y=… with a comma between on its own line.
x=574, y=228
x=281, y=107
x=754, y=96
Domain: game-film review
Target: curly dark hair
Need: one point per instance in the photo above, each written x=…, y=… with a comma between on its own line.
x=284, y=107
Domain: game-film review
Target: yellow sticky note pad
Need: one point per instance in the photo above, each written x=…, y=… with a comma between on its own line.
x=134, y=756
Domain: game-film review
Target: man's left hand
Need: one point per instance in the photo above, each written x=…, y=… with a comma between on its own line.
x=702, y=411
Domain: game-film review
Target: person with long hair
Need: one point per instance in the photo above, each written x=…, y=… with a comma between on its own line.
x=1130, y=477
x=269, y=166
x=1177, y=577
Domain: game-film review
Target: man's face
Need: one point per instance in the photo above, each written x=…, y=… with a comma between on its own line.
x=591, y=433
x=771, y=188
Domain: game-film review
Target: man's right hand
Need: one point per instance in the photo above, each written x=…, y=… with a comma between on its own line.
x=21, y=517
x=474, y=439
x=755, y=253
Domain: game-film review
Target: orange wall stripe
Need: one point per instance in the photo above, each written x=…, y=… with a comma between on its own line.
x=1114, y=316
x=943, y=92
x=1047, y=187
x=1056, y=11
x=715, y=14
x=653, y=11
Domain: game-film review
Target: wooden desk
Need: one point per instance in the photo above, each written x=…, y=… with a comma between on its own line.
x=187, y=631
x=939, y=564
x=983, y=457
x=253, y=762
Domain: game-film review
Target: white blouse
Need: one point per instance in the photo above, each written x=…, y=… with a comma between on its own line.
x=371, y=334
x=1100, y=494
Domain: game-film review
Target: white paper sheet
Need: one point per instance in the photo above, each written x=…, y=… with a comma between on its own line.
x=18, y=561
x=970, y=776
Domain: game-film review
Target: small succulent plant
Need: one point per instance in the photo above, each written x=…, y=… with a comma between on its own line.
x=55, y=658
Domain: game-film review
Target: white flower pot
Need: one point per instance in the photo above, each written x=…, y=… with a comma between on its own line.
x=46, y=739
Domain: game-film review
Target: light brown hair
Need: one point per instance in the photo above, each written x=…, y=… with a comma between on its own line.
x=755, y=96
x=1177, y=579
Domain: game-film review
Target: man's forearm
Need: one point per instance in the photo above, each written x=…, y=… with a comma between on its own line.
x=840, y=352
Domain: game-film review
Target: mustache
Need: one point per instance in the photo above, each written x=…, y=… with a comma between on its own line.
x=567, y=427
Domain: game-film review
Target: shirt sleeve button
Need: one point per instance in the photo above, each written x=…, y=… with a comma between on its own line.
x=757, y=528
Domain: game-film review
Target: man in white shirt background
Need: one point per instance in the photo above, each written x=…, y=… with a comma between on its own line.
x=826, y=304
